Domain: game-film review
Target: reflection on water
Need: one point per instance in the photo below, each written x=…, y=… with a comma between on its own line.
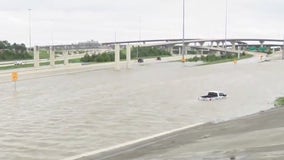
x=61, y=116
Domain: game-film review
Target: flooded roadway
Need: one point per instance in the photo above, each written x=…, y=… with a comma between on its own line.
x=60, y=116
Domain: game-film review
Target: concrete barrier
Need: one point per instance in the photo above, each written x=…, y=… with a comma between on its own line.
x=130, y=146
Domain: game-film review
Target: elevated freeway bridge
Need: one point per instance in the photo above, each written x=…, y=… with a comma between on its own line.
x=174, y=46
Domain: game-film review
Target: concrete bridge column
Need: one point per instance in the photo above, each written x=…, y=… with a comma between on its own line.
x=186, y=48
x=239, y=52
x=179, y=50
x=170, y=48
x=117, y=57
x=261, y=44
x=217, y=44
x=51, y=56
x=201, y=51
x=283, y=52
x=65, y=55
x=223, y=44
x=211, y=45
x=201, y=44
x=128, y=56
x=233, y=45
x=36, y=56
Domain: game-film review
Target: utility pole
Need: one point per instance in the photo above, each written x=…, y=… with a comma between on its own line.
x=139, y=27
x=226, y=26
x=283, y=49
x=183, y=27
x=30, y=29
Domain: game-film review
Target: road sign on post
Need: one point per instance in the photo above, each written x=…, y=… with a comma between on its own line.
x=14, y=76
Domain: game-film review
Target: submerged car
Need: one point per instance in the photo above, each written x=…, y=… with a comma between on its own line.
x=19, y=63
x=140, y=60
x=213, y=95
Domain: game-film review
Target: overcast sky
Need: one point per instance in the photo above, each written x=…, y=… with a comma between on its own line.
x=72, y=21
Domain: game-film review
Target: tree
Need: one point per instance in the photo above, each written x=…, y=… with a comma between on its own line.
x=13, y=52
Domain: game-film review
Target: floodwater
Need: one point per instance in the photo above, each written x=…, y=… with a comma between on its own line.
x=54, y=117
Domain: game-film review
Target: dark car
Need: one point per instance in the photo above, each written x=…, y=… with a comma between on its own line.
x=140, y=60
x=158, y=58
x=213, y=95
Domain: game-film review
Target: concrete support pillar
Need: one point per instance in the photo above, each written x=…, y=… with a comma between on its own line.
x=217, y=44
x=211, y=45
x=117, y=57
x=218, y=53
x=201, y=51
x=233, y=45
x=179, y=50
x=223, y=44
x=283, y=52
x=261, y=44
x=185, y=50
x=36, y=56
x=170, y=49
x=51, y=56
x=239, y=52
x=128, y=56
x=65, y=55
x=201, y=43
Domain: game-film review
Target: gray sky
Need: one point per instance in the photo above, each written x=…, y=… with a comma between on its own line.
x=72, y=21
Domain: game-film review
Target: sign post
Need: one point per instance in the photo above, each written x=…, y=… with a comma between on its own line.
x=15, y=78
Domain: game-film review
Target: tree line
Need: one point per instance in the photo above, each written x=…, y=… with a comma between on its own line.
x=13, y=51
x=136, y=52
x=213, y=57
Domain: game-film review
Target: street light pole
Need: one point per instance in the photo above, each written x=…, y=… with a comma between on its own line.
x=30, y=29
x=283, y=49
x=139, y=28
x=226, y=25
x=183, y=27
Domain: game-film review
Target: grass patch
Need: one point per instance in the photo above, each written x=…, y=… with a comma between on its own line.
x=279, y=102
x=41, y=64
x=228, y=60
x=76, y=60
x=44, y=54
x=15, y=67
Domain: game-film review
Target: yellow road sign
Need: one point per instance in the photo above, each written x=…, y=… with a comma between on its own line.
x=14, y=76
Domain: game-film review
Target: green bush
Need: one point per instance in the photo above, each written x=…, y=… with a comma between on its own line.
x=279, y=102
x=109, y=56
x=192, y=52
x=213, y=58
x=148, y=52
x=13, y=52
x=194, y=59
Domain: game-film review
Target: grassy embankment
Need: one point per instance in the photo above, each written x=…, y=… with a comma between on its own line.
x=42, y=55
x=228, y=59
x=279, y=102
x=212, y=59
